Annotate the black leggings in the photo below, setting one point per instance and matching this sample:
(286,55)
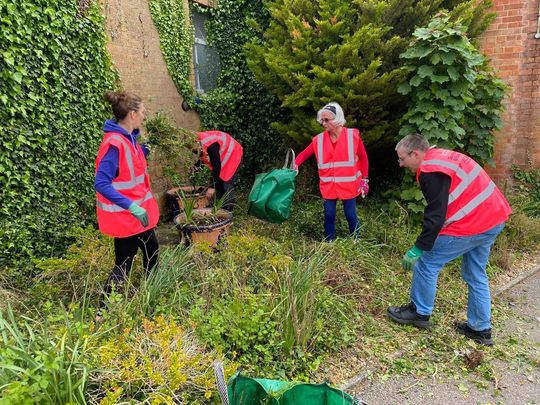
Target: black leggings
(124,252)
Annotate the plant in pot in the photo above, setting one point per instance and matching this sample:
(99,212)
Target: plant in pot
(202,224)
(175,148)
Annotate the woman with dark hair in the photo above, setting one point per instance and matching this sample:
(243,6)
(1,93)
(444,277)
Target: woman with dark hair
(223,155)
(126,208)
(343,167)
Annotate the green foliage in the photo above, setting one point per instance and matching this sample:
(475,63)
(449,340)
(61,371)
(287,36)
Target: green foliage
(267,286)
(158,361)
(176,40)
(54,71)
(242,326)
(475,15)
(315,52)
(41,365)
(528,190)
(86,264)
(275,315)
(298,289)
(173,146)
(456,99)
(239,105)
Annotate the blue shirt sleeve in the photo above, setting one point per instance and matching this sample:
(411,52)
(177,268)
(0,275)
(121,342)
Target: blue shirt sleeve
(106,173)
(145,148)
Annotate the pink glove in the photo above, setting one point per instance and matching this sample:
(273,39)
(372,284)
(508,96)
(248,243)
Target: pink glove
(364,187)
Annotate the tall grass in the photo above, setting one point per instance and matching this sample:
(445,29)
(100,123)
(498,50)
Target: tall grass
(299,285)
(39,366)
(162,286)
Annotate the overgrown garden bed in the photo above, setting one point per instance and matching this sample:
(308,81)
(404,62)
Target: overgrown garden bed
(275,300)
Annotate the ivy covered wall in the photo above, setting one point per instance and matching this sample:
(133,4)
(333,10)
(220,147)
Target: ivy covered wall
(239,104)
(54,71)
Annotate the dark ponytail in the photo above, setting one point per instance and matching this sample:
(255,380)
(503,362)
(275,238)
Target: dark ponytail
(122,103)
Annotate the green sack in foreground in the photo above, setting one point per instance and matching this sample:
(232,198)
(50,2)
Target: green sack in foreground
(271,195)
(243,390)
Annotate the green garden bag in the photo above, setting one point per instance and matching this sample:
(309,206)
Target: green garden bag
(243,390)
(271,195)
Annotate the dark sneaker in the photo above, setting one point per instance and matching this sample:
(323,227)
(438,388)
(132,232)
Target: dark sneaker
(479,336)
(407,315)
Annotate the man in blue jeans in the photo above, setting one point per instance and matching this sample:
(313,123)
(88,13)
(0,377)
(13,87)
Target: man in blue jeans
(464,214)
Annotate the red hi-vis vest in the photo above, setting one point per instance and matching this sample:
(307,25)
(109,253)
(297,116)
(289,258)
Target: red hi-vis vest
(230,152)
(338,164)
(133,183)
(475,204)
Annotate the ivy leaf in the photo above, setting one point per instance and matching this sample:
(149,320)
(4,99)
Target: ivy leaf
(17,77)
(404,88)
(439,79)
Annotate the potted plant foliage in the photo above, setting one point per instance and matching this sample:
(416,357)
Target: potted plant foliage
(174,147)
(202,224)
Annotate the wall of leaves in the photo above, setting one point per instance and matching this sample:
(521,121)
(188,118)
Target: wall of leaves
(54,71)
(239,104)
(176,42)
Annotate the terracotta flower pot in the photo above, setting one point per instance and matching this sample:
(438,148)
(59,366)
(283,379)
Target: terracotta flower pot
(204,225)
(198,193)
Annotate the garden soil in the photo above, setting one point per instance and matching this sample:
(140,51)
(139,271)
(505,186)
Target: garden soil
(516,384)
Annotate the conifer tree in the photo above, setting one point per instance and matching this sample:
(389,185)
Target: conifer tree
(316,51)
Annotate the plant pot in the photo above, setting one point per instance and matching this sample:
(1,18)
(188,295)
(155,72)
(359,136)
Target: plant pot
(204,225)
(198,193)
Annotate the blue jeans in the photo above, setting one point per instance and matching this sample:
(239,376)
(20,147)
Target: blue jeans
(349,207)
(475,251)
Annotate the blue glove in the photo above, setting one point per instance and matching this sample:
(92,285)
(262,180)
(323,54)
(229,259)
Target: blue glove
(139,213)
(410,258)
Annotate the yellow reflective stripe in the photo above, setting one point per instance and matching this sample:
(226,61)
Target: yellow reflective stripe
(116,208)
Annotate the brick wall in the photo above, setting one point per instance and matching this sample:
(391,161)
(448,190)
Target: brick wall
(514,52)
(136,54)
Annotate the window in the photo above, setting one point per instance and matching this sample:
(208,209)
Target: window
(205,57)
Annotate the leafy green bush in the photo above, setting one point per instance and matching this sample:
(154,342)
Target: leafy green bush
(157,361)
(456,99)
(55,70)
(272,313)
(241,326)
(173,146)
(80,272)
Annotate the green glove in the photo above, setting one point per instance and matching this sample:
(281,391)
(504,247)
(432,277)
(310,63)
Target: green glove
(410,258)
(139,213)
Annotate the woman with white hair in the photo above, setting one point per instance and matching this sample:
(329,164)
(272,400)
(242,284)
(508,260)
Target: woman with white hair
(343,167)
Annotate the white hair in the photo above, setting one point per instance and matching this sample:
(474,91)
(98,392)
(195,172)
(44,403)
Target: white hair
(336,110)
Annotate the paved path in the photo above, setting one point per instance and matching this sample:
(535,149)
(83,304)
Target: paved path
(516,385)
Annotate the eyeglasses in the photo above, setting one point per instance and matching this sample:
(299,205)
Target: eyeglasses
(402,159)
(325,120)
